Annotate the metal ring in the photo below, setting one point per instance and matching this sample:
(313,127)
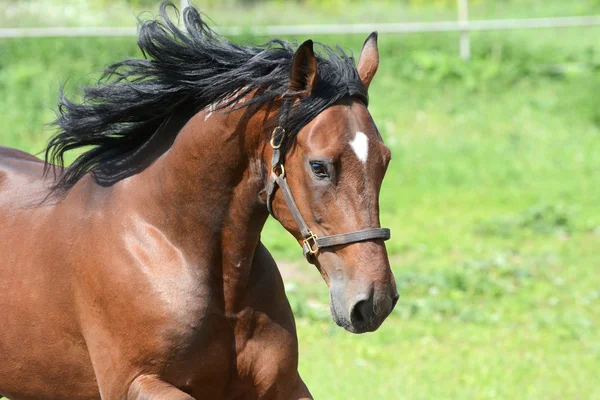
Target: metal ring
(281,173)
(275,132)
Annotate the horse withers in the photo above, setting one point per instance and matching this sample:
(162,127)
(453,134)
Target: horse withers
(137,272)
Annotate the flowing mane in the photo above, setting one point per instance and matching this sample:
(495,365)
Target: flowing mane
(132,108)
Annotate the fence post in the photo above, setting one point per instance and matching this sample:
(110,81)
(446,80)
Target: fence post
(463,18)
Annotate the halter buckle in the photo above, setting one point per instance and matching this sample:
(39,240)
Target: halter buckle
(312,248)
(276,131)
(279,170)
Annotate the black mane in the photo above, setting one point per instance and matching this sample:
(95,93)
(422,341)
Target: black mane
(138,101)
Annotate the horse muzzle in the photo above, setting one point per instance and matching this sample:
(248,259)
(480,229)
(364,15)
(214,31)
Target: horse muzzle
(363,311)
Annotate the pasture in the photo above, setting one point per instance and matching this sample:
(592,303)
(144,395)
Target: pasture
(492,196)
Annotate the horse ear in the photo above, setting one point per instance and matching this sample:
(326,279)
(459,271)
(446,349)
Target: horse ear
(368,62)
(304,69)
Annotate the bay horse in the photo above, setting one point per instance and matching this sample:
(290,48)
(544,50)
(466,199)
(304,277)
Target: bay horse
(137,272)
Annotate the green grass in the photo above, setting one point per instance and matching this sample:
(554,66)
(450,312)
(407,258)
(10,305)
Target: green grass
(38,13)
(492,196)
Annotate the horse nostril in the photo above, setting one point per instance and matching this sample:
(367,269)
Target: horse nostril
(362,312)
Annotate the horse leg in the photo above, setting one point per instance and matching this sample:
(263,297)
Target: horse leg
(298,391)
(151,387)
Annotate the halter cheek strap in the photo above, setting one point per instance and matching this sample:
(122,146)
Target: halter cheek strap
(312,243)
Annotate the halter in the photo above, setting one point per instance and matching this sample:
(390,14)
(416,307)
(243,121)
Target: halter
(312,243)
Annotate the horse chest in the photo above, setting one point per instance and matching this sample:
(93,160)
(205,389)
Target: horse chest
(255,357)
(241,354)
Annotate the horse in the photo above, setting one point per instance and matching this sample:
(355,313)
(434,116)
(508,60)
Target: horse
(138,272)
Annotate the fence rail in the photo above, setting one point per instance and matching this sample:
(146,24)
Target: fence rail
(416,27)
(462,25)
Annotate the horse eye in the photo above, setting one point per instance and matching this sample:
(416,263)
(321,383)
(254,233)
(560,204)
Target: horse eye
(319,169)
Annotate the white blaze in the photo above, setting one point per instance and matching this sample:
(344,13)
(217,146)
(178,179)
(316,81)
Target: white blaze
(360,145)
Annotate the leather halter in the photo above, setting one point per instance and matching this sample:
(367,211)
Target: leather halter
(312,243)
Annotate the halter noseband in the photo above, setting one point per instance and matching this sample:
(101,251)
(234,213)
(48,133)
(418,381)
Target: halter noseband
(312,243)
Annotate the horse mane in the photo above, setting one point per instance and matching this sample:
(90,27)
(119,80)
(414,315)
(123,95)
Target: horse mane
(131,111)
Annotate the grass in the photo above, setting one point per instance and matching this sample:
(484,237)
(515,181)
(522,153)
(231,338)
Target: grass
(40,13)
(492,197)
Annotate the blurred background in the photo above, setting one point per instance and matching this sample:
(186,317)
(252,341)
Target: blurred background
(492,196)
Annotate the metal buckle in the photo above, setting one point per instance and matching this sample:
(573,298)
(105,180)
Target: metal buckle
(278,129)
(312,250)
(281,172)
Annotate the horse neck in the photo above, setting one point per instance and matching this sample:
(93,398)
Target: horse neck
(205,191)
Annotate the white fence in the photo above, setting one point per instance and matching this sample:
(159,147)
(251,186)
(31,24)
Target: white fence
(462,24)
